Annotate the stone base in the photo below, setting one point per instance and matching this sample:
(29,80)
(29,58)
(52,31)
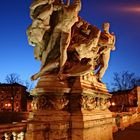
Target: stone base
(38,130)
(74,109)
(81,126)
(92,126)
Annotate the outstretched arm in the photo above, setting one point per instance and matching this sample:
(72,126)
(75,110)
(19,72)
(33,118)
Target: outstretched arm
(114,40)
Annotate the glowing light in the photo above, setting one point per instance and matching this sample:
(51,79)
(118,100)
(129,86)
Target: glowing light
(113,104)
(132,9)
(126,9)
(7,105)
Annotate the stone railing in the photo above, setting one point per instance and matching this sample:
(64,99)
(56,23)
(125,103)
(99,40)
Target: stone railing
(13,117)
(15,131)
(124,119)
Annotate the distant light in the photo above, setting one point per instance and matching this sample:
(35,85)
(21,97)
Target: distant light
(7,105)
(113,104)
(127,9)
(132,9)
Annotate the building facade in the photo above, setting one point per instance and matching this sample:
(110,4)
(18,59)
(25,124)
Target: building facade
(13,97)
(127,100)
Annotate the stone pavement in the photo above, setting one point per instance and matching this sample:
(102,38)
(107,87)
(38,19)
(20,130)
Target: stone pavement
(130,133)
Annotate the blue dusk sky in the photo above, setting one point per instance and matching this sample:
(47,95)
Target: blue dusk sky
(16,56)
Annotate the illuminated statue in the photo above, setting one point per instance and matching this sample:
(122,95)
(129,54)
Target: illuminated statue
(106,44)
(66,44)
(81,52)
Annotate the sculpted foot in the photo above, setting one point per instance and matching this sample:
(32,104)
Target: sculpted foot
(34,77)
(60,76)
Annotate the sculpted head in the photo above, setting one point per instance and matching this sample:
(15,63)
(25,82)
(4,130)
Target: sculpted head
(106,26)
(35,35)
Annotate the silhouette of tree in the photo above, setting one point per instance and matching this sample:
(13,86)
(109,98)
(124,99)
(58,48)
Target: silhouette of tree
(124,81)
(13,78)
(28,85)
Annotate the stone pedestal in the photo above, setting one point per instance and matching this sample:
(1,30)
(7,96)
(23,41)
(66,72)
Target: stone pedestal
(73,109)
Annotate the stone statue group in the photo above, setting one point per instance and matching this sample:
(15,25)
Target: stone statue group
(65,43)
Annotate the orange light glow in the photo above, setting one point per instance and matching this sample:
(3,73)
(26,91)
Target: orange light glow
(7,105)
(132,9)
(113,104)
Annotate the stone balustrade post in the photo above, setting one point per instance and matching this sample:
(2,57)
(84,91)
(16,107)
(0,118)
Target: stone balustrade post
(7,136)
(14,135)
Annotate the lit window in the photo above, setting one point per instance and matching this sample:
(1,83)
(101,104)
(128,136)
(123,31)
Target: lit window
(8,104)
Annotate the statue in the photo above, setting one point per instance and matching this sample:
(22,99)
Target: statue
(66,44)
(67,18)
(106,44)
(70,50)
(81,52)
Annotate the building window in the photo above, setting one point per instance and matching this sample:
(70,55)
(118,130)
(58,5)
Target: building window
(17,96)
(16,104)
(1,104)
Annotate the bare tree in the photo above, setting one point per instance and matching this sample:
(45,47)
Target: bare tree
(125,80)
(13,78)
(28,85)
